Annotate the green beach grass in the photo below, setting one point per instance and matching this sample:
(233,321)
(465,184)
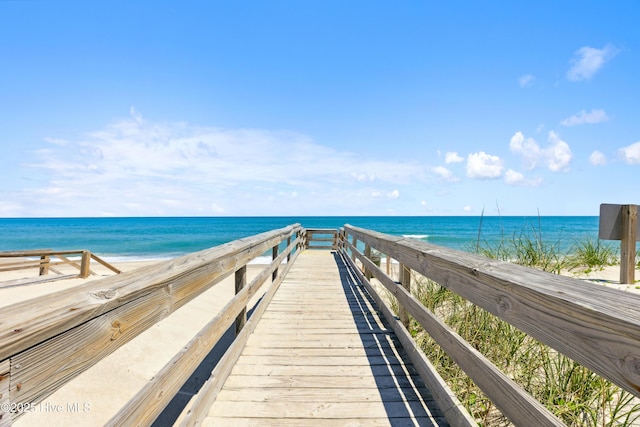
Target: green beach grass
(576,395)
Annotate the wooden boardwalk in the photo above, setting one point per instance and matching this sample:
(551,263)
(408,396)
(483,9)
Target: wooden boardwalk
(321,356)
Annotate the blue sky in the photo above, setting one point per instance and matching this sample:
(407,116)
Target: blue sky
(114,108)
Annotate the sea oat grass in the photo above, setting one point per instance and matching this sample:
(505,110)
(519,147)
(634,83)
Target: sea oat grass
(591,254)
(576,395)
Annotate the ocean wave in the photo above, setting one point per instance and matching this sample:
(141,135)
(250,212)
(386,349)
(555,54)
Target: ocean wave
(416,236)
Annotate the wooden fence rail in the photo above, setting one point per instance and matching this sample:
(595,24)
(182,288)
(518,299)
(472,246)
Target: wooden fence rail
(596,326)
(73,329)
(327,238)
(43,261)
(47,341)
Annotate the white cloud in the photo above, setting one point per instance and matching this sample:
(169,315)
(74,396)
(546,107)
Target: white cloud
(597,158)
(588,60)
(631,153)
(137,167)
(453,157)
(363,177)
(526,80)
(56,141)
(445,174)
(135,115)
(557,156)
(484,166)
(595,116)
(528,148)
(512,177)
(394,194)
(467,208)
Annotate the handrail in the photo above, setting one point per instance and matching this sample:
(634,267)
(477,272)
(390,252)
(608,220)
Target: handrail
(47,341)
(44,262)
(596,326)
(149,402)
(75,328)
(311,235)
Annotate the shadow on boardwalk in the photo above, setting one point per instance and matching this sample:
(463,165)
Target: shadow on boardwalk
(406,399)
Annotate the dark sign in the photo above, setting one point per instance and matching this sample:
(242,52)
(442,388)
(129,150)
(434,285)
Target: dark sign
(611,223)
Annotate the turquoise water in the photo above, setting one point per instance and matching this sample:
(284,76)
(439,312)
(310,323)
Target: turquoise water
(157,237)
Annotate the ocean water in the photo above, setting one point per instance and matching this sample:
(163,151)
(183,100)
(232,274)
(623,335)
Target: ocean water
(120,239)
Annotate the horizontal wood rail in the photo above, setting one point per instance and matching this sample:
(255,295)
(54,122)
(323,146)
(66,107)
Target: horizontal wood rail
(326,237)
(596,326)
(47,341)
(43,261)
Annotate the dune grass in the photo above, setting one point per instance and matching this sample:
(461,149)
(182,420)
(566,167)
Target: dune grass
(575,394)
(591,254)
(578,396)
(526,248)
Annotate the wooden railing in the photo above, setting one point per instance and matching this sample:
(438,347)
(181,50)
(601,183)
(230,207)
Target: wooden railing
(43,260)
(321,238)
(47,341)
(596,326)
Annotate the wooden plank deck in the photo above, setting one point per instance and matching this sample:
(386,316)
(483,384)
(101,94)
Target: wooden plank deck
(321,356)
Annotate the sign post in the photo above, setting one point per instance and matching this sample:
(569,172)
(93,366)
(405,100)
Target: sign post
(620,222)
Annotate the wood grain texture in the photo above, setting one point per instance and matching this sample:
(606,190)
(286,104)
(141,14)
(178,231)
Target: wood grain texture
(598,327)
(149,402)
(53,339)
(195,413)
(320,353)
(42,369)
(514,402)
(31,322)
(628,231)
(452,409)
(5,379)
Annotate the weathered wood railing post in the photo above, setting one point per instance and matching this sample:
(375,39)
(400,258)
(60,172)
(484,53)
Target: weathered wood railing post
(241,281)
(628,243)
(84,265)
(289,254)
(367,254)
(274,255)
(404,277)
(354,242)
(388,265)
(620,222)
(44,265)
